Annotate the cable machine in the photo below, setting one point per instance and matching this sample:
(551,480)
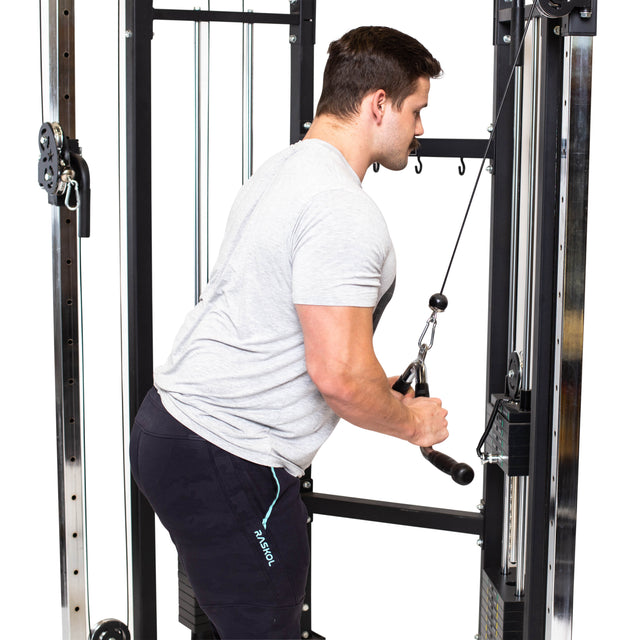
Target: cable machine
(537,155)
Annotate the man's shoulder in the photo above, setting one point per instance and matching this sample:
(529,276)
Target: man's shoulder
(316,161)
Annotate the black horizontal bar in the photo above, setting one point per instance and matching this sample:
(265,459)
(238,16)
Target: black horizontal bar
(392,513)
(454,148)
(196,15)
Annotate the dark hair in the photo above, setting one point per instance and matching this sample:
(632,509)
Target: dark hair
(370,58)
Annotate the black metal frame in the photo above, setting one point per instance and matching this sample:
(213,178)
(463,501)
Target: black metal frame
(532,607)
(140,17)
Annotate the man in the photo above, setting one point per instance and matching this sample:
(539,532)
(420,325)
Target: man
(280,346)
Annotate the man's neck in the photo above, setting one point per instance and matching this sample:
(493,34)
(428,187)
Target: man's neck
(347,137)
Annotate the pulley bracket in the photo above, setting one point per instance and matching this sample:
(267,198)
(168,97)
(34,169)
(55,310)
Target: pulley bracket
(64,174)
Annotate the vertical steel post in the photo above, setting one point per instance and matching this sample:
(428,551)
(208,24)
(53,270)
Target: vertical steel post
(563,490)
(302,37)
(67,339)
(544,305)
(496,484)
(540,603)
(139,32)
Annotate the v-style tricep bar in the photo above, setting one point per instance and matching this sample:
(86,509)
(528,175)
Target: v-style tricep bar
(538,150)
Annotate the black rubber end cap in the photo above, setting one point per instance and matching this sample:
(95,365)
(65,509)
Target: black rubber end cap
(462,473)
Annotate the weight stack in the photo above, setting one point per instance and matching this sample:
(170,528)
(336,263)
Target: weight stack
(190,614)
(501,612)
(509,437)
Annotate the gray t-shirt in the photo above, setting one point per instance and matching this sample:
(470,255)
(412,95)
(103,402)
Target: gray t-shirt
(301,231)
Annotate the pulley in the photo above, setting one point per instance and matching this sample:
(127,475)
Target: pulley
(514,375)
(110,629)
(51,164)
(560,8)
(64,174)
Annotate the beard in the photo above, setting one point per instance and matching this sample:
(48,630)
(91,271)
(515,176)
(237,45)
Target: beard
(397,159)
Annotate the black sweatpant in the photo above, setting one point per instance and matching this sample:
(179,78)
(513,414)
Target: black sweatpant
(239,527)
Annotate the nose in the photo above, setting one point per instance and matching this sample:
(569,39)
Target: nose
(419,127)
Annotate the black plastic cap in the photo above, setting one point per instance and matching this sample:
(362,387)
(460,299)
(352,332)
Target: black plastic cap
(438,302)
(462,473)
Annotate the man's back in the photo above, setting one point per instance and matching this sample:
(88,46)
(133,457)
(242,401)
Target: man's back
(302,231)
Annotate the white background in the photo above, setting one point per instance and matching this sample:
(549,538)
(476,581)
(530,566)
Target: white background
(370,580)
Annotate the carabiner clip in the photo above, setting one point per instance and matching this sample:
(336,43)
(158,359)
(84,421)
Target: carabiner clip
(72,184)
(431,322)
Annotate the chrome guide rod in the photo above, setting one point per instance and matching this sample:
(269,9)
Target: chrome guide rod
(513,519)
(247,100)
(508,547)
(521,542)
(515,206)
(124,346)
(573,196)
(531,205)
(201,155)
(197,135)
(523,483)
(506,528)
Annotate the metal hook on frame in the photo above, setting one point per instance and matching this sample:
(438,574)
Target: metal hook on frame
(462,168)
(419,167)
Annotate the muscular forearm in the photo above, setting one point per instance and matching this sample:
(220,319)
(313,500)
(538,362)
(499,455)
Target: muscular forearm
(364,398)
(342,364)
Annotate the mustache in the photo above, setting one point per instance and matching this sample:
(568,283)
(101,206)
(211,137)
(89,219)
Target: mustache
(414,146)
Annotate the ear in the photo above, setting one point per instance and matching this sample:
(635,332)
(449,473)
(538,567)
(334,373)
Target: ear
(378,104)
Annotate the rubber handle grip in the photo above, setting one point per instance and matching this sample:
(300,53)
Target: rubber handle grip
(460,472)
(401,386)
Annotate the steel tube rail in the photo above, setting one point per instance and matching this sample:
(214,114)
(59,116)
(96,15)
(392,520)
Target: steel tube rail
(67,336)
(226,16)
(565,441)
(392,513)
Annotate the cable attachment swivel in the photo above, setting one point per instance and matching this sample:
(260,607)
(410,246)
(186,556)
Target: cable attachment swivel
(437,303)
(417,372)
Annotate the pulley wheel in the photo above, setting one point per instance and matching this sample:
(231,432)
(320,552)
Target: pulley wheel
(559,8)
(110,629)
(50,140)
(514,375)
